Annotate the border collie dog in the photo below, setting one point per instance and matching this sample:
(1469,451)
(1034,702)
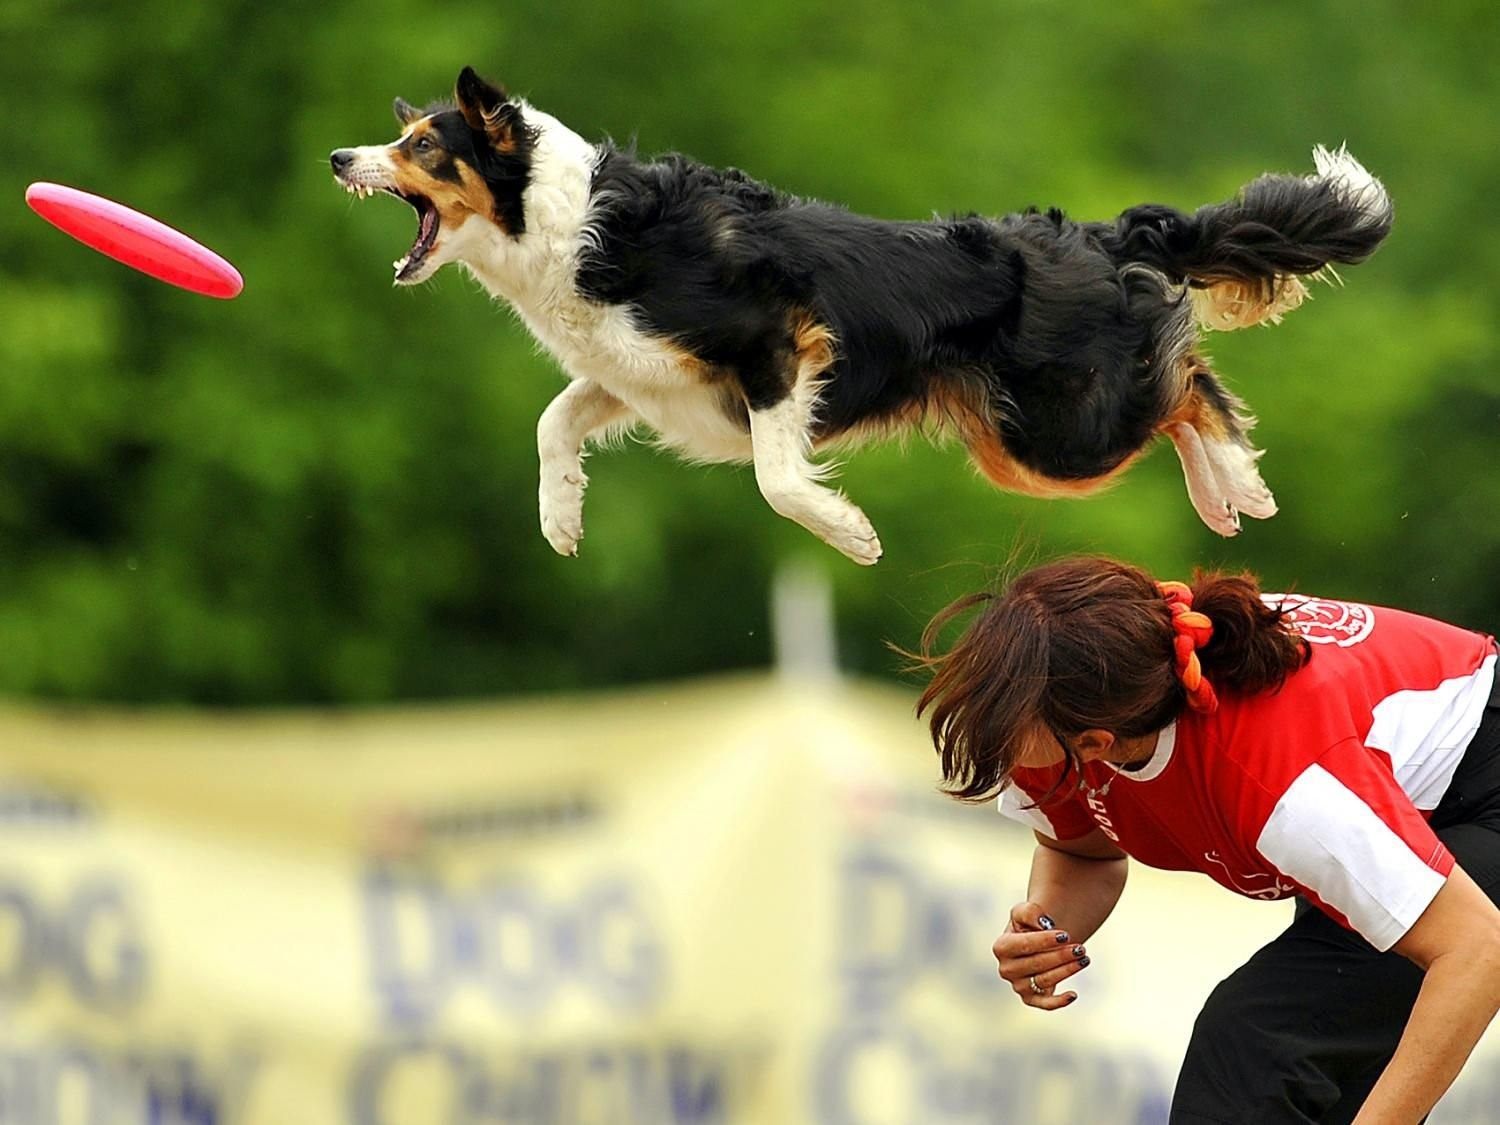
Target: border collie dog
(738,322)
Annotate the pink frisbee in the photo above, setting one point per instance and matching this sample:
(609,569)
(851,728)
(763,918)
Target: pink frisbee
(137,240)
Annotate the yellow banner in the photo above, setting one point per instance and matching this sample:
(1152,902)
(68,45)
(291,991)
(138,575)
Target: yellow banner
(724,903)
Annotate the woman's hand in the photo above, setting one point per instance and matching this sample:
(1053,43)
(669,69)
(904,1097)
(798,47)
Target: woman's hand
(1035,957)
(1081,880)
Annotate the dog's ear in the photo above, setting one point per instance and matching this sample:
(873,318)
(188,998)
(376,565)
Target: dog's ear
(406,113)
(488,110)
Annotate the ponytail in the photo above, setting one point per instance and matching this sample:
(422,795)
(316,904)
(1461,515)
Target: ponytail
(1251,649)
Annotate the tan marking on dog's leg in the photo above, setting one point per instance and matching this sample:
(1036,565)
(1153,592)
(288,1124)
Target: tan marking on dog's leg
(583,409)
(814,344)
(780,437)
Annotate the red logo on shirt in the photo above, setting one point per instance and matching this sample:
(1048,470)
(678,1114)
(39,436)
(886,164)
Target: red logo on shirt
(1321,622)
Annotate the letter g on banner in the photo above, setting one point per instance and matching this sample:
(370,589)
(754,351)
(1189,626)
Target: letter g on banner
(92,939)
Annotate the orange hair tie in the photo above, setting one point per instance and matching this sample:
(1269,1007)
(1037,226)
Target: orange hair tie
(1191,632)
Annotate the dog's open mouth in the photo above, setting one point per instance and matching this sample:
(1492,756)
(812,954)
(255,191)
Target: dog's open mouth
(409,266)
(427,232)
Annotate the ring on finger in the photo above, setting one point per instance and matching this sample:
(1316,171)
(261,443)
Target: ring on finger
(1035,988)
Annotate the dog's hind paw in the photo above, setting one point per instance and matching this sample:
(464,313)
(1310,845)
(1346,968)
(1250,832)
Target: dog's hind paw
(1239,481)
(1222,480)
(1222,518)
(1255,502)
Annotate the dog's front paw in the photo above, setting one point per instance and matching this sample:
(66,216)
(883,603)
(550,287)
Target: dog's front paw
(856,538)
(866,552)
(560,503)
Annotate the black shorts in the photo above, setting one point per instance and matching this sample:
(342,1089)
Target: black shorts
(1302,1030)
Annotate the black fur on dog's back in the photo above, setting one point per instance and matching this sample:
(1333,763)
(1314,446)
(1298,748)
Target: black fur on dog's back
(1069,342)
(1027,318)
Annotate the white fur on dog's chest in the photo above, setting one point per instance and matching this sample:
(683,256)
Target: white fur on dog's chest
(535,275)
(599,343)
(651,377)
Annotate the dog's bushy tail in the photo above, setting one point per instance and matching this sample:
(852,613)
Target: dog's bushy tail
(1245,259)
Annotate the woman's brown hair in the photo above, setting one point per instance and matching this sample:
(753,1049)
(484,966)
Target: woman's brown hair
(1084,644)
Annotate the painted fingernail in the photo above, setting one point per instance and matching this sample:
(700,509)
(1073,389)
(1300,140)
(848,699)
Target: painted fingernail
(1047,923)
(1078,952)
(1071,997)
(1083,962)
(1062,937)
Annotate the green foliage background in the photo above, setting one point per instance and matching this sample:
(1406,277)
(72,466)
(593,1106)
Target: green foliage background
(324,490)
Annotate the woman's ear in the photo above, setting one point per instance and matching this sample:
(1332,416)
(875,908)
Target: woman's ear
(1093,745)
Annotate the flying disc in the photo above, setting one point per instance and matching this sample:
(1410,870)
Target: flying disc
(137,240)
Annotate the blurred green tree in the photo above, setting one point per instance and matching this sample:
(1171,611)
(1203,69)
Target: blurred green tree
(324,490)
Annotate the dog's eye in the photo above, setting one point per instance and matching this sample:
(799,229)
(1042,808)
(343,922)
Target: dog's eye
(424,144)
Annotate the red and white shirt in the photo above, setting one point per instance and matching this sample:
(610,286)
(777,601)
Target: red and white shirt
(1321,789)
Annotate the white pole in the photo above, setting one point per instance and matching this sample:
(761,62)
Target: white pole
(806,645)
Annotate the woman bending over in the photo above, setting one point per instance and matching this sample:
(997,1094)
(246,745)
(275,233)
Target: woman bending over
(1282,745)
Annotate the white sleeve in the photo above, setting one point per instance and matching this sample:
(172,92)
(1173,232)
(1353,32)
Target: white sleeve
(1326,837)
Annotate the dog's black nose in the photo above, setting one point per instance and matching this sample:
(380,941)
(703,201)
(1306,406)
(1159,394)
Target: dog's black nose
(341,158)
